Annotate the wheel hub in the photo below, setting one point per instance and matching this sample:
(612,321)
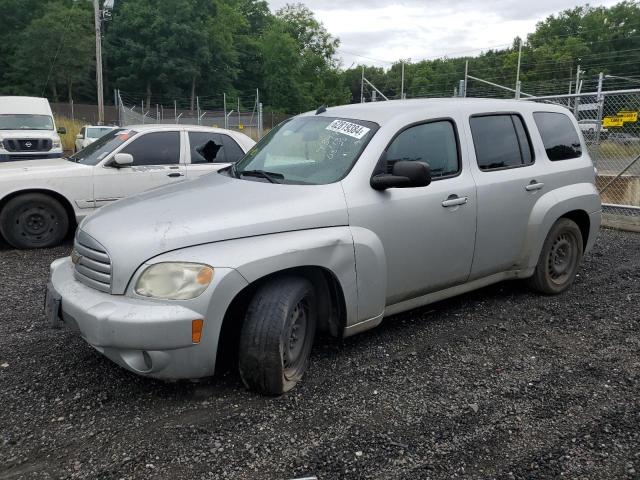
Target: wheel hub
(35,222)
(561,258)
(296,341)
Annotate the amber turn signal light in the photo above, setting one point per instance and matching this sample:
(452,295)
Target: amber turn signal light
(196,330)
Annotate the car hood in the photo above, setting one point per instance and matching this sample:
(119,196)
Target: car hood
(28,134)
(210,209)
(39,168)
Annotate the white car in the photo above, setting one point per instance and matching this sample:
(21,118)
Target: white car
(89,134)
(28,130)
(41,200)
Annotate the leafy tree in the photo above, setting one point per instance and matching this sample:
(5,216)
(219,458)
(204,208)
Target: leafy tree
(65,30)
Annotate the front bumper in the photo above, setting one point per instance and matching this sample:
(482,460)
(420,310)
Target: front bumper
(148,337)
(18,156)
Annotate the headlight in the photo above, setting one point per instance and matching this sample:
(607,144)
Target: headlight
(56,142)
(174,281)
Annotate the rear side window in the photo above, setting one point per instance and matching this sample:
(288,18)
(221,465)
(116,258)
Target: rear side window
(156,148)
(559,136)
(434,143)
(232,150)
(501,141)
(204,152)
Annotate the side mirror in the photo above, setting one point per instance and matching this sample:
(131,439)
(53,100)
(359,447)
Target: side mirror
(123,159)
(406,174)
(62,130)
(79,136)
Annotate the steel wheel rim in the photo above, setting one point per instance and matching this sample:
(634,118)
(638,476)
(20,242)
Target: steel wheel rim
(36,223)
(562,258)
(296,342)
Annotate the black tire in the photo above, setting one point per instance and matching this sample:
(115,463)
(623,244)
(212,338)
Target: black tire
(277,335)
(33,220)
(559,259)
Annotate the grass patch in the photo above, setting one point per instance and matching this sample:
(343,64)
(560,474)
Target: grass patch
(73,129)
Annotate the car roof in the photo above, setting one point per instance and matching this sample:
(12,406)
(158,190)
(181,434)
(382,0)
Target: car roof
(384,111)
(24,105)
(100,126)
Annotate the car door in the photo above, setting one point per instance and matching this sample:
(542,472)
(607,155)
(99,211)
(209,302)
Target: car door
(427,233)
(157,161)
(210,152)
(509,181)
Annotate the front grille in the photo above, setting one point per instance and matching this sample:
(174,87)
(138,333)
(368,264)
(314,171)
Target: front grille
(28,145)
(92,263)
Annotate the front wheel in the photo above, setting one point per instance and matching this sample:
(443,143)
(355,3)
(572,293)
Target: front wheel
(277,335)
(559,259)
(33,220)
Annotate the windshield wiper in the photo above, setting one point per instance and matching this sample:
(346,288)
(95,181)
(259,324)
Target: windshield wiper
(270,176)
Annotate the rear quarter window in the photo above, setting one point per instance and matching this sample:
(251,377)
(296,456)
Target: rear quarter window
(559,136)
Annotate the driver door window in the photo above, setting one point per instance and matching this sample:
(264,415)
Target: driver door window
(157,148)
(434,143)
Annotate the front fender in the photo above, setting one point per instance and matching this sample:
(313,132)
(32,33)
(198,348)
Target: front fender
(553,205)
(256,257)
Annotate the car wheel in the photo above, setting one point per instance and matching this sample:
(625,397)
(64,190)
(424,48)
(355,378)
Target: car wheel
(559,259)
(277,335)
(33,220)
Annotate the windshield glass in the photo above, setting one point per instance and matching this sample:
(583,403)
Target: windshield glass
(25,122)
(97,132)
(98,150)
(307,150)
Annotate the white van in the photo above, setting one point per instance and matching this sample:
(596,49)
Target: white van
(28,130)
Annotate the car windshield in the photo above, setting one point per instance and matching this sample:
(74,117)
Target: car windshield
(98,150)
(25,122)
(97,132)
(307,150)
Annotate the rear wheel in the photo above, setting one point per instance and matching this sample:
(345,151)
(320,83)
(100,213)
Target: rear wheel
(277,335)
(559,259)
(33,220)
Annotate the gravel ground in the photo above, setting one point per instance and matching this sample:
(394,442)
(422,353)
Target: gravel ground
(499,383)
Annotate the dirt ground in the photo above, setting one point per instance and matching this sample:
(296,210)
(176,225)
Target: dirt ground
(498,383)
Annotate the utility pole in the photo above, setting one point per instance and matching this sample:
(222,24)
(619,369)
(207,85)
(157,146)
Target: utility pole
(466,78)
(518,72)
(100,89)
(402,97)
(362,86)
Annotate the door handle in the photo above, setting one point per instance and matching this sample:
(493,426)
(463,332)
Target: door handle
(173,175)
(534,185)
(454,200)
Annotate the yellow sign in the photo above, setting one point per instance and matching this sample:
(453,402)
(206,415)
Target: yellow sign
(612,121)
(628,116)
(241,127)
(215,125)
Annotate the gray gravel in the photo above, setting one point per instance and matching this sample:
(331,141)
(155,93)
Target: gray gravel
(499,383)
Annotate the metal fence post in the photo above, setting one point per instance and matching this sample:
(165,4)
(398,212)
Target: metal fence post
(260,120)
(600,101)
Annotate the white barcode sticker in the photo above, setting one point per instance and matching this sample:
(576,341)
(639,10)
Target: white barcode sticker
(347,128)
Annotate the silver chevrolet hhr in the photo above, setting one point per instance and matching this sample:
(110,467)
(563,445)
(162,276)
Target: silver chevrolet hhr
(335,220)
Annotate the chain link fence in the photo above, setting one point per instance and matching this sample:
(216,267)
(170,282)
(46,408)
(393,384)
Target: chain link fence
(243,115)
(610,126)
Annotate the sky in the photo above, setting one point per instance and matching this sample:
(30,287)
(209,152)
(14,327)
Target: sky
(379,32)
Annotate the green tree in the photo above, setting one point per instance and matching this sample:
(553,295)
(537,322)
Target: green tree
(65,32)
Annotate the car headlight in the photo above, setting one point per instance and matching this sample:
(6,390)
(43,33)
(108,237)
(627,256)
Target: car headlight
(174,280)
(56,142)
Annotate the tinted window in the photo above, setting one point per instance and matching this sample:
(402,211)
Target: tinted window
(157,148)
(204,152)
(558,135)
(232,150)
(434,143)
(500,141)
